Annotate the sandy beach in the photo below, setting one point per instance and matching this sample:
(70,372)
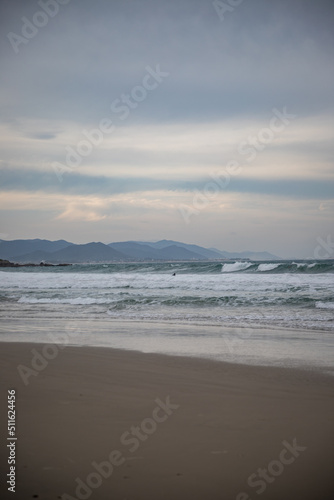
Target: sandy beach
(109,424)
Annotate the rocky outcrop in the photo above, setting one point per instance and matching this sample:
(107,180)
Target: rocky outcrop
(7,263)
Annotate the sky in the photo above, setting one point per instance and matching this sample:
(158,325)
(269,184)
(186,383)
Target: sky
(199,121)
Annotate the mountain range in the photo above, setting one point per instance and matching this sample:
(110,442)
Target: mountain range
(37,250)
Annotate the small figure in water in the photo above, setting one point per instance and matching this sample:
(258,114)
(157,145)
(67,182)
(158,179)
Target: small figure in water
(174,274)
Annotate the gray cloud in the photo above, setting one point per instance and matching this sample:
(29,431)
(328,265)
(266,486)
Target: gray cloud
(76,184)
(263,55)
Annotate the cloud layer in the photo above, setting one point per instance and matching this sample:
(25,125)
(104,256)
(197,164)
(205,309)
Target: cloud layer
(115,115)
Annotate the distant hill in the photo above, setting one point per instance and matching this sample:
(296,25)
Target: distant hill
(211,253)
(61,251)
(14,248)
(175,252)
(247,255)
(134,250)
(89,252)
(148,251)
(196,249)
(261,256)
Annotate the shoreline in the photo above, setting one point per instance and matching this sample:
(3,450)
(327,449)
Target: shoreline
(225,422)
(255,346)
(280,371)
(57,349)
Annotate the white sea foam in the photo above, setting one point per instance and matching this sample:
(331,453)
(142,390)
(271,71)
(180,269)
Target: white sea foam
(237,266)
(77,301)
(236,293)
(267,267)
(324,305)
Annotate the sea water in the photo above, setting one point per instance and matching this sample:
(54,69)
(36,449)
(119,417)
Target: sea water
(217,309)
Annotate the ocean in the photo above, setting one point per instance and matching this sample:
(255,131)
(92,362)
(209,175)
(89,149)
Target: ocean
(210,309)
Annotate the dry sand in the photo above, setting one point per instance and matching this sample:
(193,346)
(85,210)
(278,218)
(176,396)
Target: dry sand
(224,424)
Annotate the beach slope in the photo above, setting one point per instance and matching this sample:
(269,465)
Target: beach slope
(109,424)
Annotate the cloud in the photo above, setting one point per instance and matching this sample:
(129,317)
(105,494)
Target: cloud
(87,57)
(78,184)
(43,136)
(225,77)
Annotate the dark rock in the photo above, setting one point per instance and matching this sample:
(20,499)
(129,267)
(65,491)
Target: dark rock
(7,263)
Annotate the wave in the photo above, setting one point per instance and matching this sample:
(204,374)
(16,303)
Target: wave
(281,267)
(267,267)
(79,301)
(324,305)
(135,301)
(236,267)
(190,267)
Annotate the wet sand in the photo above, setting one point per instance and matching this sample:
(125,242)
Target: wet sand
(109,424)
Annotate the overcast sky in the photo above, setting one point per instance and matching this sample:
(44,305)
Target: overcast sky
(199,121)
